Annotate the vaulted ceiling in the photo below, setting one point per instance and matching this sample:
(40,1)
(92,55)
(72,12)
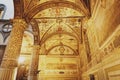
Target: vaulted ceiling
(56,24)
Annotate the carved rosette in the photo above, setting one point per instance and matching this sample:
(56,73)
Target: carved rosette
(13,48)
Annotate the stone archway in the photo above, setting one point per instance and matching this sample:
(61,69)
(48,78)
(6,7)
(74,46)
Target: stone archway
(29,14)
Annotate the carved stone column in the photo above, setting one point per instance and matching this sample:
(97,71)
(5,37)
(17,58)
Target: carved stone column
(34,63)
(9,63)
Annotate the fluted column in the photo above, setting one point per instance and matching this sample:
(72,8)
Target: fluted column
(34,63)
(8,68)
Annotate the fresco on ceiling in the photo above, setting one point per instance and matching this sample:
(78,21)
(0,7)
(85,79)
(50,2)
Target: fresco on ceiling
(62,50)
(42,1)
(57,12)
(55,45)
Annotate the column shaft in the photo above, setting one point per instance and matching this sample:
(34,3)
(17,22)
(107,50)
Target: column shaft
(12,52)
(34,63)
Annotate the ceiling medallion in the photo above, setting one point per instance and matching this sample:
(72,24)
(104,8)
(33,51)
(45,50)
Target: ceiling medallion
(61,49)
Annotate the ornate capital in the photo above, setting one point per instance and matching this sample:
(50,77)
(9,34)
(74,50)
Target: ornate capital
(19,22)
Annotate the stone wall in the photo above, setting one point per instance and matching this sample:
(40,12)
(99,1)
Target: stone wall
(106,64)
(103,30)
(106,19)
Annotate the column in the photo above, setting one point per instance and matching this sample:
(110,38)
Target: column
(8,68)
(34,63)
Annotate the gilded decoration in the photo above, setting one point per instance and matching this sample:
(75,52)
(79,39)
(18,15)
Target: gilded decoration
(60,40)
(12,51)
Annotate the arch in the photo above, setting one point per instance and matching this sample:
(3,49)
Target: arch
(44,38)
(60,45)
(36,32)
(39,7)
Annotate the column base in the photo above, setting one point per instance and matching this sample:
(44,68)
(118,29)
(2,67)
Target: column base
(32,78)
(8,74)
